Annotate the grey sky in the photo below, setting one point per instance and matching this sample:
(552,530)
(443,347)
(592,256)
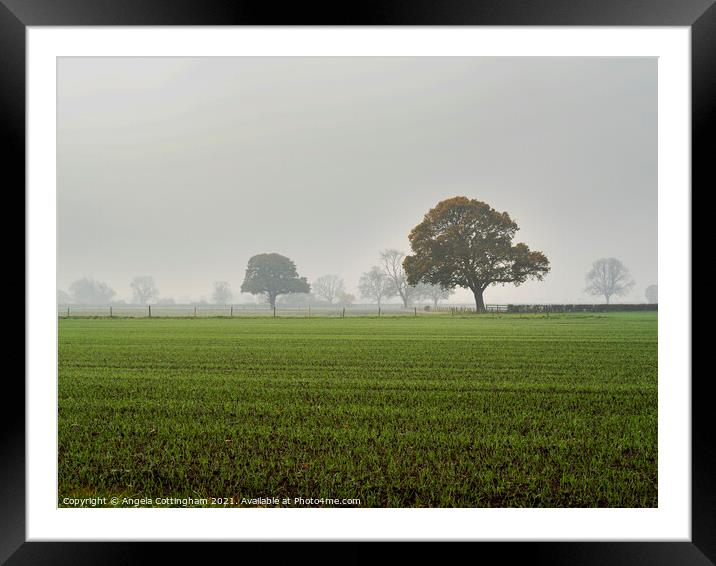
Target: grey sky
(183,168)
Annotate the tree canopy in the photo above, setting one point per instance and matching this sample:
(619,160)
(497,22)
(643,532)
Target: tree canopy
(463,242)
(273,275)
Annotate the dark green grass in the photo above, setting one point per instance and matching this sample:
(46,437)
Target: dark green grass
(476,411)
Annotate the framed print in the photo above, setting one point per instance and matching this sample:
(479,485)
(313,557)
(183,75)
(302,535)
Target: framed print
(310,277)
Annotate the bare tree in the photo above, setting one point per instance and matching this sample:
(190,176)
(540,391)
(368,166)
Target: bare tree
(222,294)
(652,294)
(328,287)
(433,292)
(392,261)
(375,284)
(608,277)
(87,291)
(144,289)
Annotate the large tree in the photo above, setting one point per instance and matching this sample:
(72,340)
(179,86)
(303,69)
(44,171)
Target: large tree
(375,284)
(273,275)
(466,243)
(144,289)
(608,277)
(328,287)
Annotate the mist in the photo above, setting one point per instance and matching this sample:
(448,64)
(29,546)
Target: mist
(184,168)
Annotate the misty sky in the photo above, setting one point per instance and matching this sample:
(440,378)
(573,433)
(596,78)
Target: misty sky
(183,168)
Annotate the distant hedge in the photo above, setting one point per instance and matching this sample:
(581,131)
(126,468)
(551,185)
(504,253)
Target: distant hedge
(581,308)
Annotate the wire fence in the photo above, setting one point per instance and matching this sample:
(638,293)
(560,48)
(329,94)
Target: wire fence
(235,311)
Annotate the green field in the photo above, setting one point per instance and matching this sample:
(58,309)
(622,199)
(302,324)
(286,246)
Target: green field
(433,411)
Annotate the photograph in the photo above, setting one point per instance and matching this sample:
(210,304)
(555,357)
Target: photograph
(357,282)
(392,276)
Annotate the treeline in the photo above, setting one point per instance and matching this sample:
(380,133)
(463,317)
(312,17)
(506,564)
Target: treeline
(274,279)
(461,242)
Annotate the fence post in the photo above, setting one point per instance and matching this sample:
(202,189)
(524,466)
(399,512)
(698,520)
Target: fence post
(194,312)
(149,307)
(68,312)
(274,312)
(344,312)
(309,311)
(231,313)
(416,311)
(110,311)
(378,311)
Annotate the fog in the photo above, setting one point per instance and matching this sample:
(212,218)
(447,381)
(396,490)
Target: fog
(183,168)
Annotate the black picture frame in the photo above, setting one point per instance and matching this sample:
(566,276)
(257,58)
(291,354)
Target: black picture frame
(17,15)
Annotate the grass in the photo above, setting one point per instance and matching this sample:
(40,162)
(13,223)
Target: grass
(439,411)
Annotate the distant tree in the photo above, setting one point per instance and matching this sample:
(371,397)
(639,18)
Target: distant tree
(273,275)
(222,294)
(392,263)
(87,291)
(296,300)
(608,277)
(376,285)
(63,298)
(652,294)
(463,242)
(144,289)
(166,301)
(345,299)
(434,293)
(328,287)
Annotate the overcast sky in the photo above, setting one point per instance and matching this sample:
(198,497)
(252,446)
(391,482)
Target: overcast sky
(183,168)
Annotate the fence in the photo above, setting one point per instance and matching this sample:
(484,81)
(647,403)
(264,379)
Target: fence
(582,308)
(464,309)
(551,308)
(231,311)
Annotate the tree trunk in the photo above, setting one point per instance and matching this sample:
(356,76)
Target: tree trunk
(272,300)
(607,298)
(479,303)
